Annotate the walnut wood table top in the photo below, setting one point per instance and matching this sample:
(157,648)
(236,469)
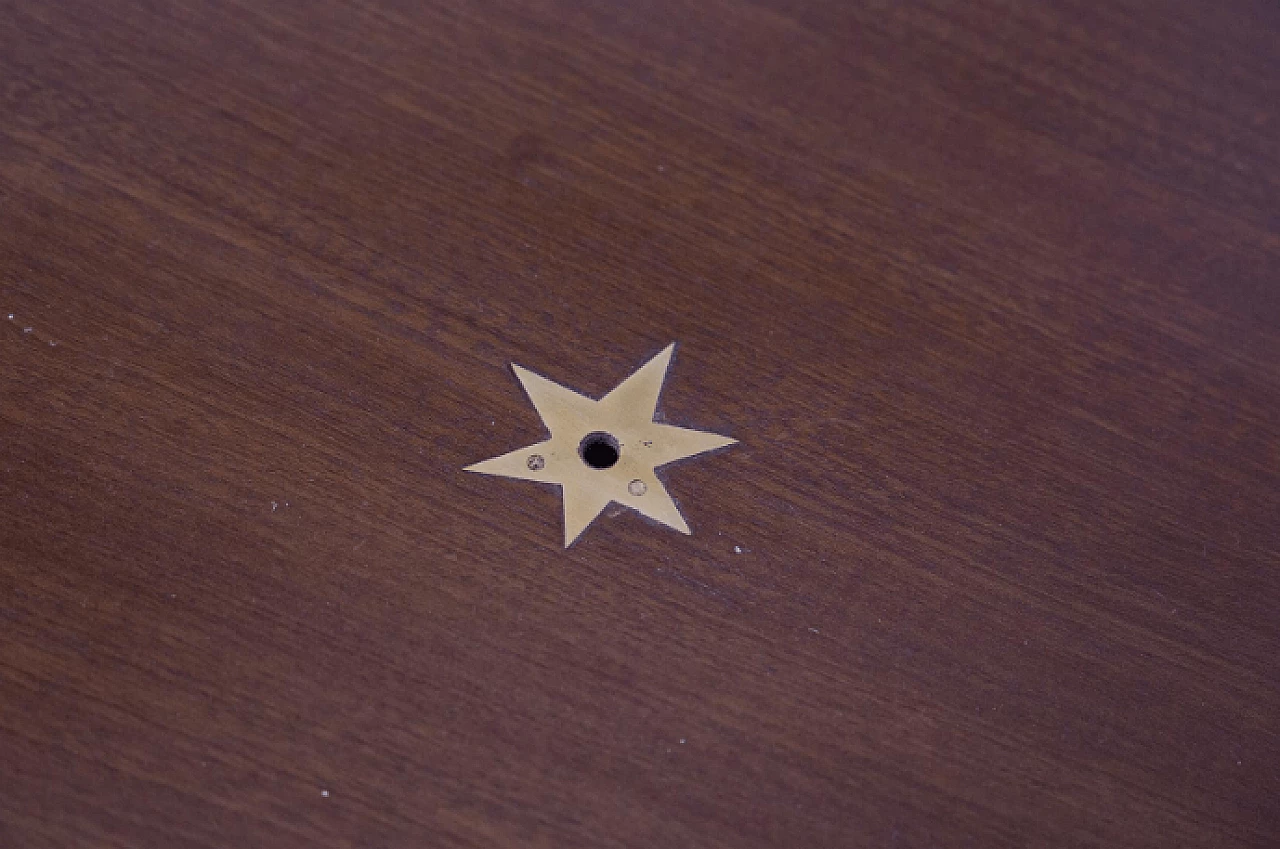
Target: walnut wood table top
(988,292)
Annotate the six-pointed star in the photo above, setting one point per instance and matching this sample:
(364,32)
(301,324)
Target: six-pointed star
(606,450)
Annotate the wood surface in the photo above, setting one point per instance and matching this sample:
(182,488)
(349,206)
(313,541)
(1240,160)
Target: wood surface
(989,292)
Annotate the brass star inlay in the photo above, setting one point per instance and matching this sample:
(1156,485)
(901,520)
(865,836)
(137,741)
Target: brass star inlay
(604,451)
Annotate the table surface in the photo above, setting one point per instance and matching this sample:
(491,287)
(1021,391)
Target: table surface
(989,292)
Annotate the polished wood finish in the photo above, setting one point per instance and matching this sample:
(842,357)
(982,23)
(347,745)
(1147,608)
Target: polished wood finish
(989,292)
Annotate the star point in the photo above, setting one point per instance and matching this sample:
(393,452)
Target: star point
(605,451)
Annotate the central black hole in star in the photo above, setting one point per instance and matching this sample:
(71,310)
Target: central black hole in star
(599,450)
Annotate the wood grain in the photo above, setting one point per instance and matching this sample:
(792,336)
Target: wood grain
(989,292)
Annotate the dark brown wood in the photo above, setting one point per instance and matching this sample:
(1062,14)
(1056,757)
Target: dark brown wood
(989,292)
